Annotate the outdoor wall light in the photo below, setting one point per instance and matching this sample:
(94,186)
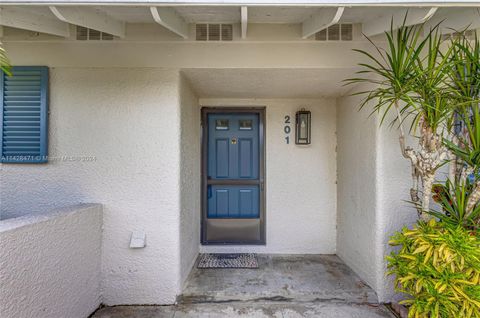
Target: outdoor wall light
(303,127)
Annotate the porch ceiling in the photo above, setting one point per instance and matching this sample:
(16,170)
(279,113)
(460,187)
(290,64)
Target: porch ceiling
(268,83)
(231,14)
(256,14)
(313,17)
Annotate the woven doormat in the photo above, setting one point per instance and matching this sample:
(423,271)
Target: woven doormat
(243,260)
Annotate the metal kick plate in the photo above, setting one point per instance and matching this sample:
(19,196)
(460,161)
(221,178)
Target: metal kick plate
(233,230)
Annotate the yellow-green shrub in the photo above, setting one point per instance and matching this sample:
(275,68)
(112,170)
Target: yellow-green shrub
(438,266)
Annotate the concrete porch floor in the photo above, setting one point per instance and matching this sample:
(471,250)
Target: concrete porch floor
(282,286)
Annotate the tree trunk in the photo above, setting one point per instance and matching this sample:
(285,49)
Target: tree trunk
(424,163)
(466,171)
(473,199)
(427,179)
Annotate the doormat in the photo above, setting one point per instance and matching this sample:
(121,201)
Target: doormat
(241,260)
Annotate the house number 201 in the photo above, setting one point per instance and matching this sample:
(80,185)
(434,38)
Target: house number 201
(287,129)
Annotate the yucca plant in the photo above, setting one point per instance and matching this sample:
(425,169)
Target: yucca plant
(466,147)
(453,197)
(438,266)
(465,89)
(410,80)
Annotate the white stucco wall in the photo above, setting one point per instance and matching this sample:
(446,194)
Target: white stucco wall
(129,121)
(374,183)
(189,178)
(300,180)
(394,182)
(50,263)
(357,188)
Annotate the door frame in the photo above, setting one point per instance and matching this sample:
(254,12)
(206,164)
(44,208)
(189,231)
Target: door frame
(260,110)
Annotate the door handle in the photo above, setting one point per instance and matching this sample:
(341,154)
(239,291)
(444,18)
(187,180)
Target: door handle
(209,191)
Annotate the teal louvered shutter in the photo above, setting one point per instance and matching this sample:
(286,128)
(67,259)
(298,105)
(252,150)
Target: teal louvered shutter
(24,115)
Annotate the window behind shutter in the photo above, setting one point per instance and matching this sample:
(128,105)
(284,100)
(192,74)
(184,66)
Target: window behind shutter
(24,115)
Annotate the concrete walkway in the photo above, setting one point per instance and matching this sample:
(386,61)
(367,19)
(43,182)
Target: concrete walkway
(283,286)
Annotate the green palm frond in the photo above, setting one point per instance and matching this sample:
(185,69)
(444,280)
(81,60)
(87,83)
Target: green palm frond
(431,99)
(411,71)
(453,198)
(464,81)
(465,71)
(393,71)
(5,65)
(468,150)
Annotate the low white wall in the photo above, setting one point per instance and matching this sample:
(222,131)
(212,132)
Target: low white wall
(50,263)
(357,188)
(300,180)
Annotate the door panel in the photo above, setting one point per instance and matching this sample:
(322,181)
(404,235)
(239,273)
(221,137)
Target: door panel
(222,154)
(233,177)
(245,158)
(228,201)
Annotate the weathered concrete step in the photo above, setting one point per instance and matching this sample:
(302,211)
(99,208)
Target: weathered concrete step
(248,309)
(301,278)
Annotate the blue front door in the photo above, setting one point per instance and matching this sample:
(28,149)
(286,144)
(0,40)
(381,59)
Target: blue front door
(233,177)
(233,157)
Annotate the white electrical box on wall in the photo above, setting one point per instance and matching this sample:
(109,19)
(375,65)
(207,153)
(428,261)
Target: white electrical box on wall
(138,239)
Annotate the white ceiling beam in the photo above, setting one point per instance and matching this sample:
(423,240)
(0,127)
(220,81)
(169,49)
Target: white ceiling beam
(27,20)
(90,18)
(321,20)
(383,23)
(170,19)
(244,21)
(456,20)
